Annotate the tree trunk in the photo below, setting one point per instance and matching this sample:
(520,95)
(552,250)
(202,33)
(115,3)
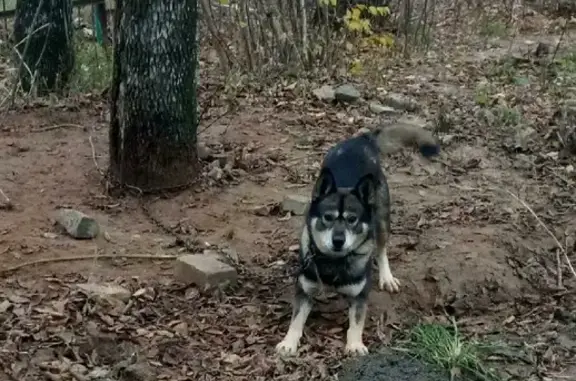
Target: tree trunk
(154,115)
(43,33)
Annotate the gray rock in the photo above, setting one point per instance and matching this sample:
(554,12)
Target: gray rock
(377,108)
(77,224)
(400,101)
(346,93)
(204,270)
(324,93)
(388,366)
(295,204)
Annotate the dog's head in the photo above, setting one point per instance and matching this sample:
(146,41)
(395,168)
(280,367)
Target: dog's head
(340,219)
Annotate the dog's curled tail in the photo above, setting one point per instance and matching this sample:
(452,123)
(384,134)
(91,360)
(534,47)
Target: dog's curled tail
(391,138)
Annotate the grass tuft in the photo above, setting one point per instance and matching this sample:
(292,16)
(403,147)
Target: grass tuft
(446,348)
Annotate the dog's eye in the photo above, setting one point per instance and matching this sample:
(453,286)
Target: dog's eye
(328,218)
(352,220)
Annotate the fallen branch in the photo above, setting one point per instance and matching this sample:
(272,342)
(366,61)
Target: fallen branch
(58,126)
(561,248)
(86,257)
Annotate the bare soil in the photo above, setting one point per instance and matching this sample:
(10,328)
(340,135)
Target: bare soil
(461,244)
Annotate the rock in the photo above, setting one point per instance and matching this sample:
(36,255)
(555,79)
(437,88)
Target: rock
(399,101)
(377,108)
(295,204)
(204,153)
(346,93)
(106,290)
(216,173)
(77,224)
(388,366)
(204,270)
(324,93)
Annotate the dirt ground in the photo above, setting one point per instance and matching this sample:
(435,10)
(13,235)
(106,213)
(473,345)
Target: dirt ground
(461,245)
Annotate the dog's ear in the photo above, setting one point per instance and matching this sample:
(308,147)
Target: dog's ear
(366,190)
(324,185)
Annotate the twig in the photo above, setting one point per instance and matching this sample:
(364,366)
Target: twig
(560,247)
(229,111)
(94,156)
(57,126)
(7,204)
(86,257)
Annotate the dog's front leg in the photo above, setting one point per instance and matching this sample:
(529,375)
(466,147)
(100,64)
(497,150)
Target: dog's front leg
(302,306)
(356,318)
(385,278)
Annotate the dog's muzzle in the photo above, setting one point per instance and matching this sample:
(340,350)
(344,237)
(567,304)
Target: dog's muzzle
(338,241)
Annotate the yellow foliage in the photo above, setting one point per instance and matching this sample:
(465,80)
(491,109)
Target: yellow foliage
(356,67)
(224,2)
(386,40)
(356,23)
(378,11)
(332,3)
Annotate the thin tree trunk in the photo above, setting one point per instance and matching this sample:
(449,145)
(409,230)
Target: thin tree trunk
(44,40)
(154,114)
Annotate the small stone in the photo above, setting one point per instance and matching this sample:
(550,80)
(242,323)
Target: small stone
(399,101)
(77,224)
(324,93)
(377,108)
(204,270)
(295,204)
(346,93)
(105,290)
(204,153)
(216,173)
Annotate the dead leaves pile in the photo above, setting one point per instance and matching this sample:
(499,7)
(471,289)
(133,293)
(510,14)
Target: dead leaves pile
(60,332)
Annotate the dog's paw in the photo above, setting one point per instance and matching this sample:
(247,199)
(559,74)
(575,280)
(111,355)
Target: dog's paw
(389,283)
(356,348)
(287,348)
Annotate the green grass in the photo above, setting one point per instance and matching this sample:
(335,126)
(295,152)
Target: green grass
(446,348)
(93,67)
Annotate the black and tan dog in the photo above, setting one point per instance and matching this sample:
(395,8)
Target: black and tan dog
(347,224)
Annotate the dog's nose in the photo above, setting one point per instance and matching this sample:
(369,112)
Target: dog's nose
(338,242)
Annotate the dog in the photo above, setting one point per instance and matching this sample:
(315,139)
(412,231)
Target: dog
(347,224)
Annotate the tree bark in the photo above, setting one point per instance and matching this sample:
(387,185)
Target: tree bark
(154,114)
(43,33)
